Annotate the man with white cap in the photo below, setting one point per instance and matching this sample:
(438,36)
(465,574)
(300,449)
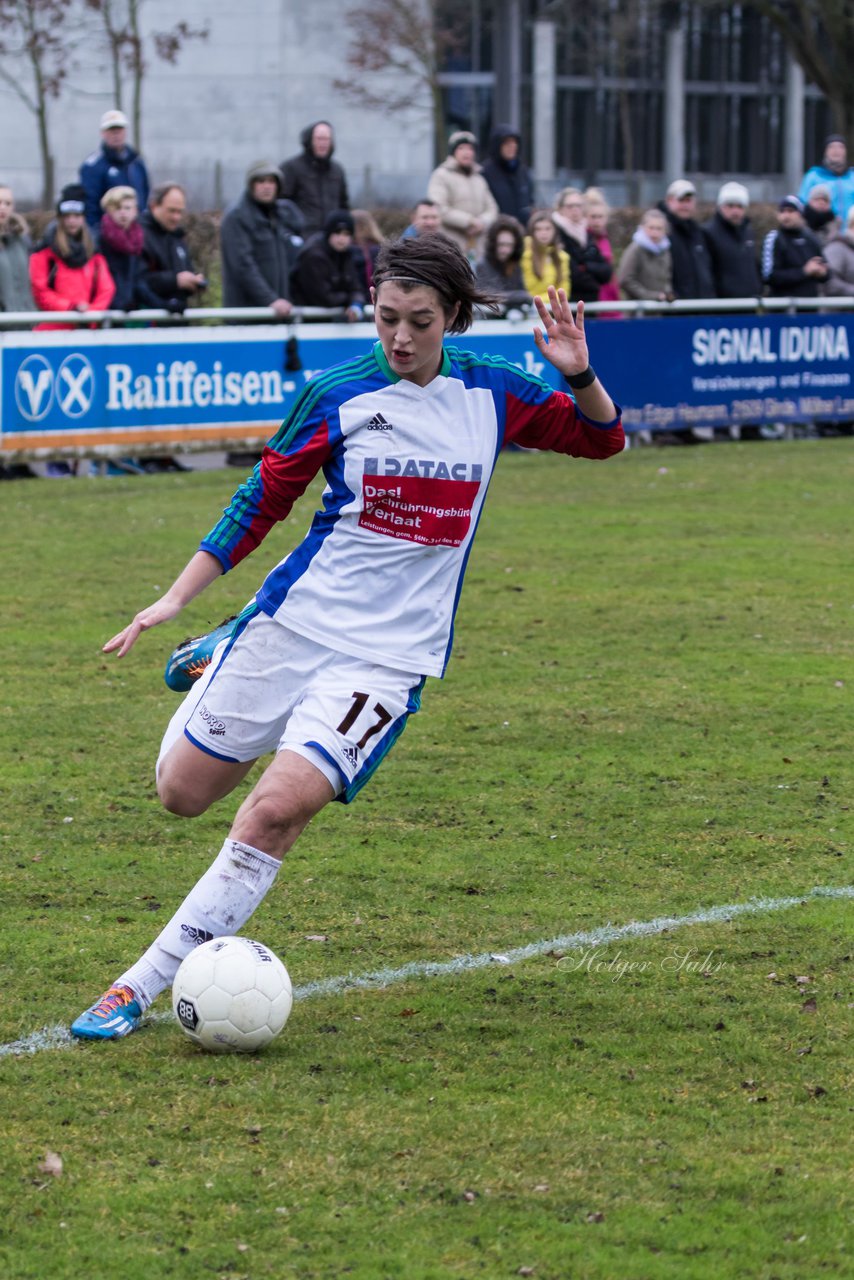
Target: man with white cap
(114,164)
(692,265)
(732,247)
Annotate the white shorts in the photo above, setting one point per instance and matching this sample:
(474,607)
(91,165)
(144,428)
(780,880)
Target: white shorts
(268,688)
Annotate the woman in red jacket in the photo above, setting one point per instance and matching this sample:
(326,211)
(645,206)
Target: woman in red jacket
(66,273)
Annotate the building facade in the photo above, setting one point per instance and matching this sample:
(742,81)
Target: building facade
(624,95)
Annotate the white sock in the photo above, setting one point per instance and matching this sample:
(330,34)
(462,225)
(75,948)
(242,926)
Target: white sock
(218,905)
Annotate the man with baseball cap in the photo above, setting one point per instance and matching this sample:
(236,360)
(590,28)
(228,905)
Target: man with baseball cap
(732,246)
(114,164)
(692,265)
(833,172)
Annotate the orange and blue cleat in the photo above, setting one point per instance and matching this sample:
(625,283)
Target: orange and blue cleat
(193,657)
(116,1014)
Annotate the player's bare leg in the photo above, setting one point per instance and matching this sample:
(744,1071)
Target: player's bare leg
(281,804)
(284,800)
(189,780)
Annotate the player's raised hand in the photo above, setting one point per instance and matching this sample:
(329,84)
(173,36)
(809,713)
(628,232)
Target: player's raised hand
(561,340)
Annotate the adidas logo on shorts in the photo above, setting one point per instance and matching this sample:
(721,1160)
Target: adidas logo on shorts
(379,423)
(351,754)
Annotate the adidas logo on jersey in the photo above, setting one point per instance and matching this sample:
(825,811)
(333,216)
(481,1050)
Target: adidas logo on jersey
(378,423)
(351,754)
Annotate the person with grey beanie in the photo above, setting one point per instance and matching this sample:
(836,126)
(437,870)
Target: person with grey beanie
(260,238)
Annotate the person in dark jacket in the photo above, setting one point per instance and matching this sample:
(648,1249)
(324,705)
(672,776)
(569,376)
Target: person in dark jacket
(168,267)
(120,240)
(260,238)
(313,180)
(692,263)
(793,265)
(509,180)
(588,268)
(115,164)
(732,247)
(325,275)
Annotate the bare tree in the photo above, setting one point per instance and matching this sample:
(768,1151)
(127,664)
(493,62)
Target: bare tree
(128,49)
(34,42)
(409,41)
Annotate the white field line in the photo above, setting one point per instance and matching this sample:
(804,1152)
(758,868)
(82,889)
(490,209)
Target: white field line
(58,1037)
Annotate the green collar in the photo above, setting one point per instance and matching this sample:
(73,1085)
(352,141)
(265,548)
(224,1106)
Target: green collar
(379,355)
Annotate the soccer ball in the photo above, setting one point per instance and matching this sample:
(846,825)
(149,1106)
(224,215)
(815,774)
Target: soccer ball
(232,995)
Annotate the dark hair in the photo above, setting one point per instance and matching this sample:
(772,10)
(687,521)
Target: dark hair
(504,223)
(438,263)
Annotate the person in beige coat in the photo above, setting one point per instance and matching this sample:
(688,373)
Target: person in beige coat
(466,204)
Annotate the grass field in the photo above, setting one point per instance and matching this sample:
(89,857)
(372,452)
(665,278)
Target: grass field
(648,715)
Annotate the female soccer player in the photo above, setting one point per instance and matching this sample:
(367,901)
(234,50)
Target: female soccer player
(327,662)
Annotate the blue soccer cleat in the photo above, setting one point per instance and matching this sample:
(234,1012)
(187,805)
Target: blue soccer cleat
(193,657)
(116,1014)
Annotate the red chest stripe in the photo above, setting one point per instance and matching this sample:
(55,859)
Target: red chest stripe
(436,513)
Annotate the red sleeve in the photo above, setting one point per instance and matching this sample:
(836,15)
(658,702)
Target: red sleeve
(267,496)
(557,424)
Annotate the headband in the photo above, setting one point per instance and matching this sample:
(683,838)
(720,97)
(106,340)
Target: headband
(405,280)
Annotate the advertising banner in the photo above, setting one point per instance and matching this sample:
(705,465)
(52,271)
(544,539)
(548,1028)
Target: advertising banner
(102,392)
(723,370)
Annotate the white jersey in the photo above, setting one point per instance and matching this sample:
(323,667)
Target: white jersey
(379,573)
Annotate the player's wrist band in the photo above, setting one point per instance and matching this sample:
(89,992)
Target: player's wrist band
(579,380)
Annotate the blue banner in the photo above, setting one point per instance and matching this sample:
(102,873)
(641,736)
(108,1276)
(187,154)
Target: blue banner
(718,371)
(95,390)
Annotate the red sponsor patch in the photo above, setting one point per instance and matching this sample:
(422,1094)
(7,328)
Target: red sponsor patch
(418,508)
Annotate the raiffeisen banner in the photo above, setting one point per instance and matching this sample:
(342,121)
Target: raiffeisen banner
(102,391)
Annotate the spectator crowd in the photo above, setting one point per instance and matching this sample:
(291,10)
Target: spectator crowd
(291,239)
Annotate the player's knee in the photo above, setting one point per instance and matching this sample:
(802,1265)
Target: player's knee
(177,799)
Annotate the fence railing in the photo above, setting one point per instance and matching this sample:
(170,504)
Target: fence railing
(313,315)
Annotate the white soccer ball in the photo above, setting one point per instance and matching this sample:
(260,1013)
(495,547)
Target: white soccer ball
(232,995)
